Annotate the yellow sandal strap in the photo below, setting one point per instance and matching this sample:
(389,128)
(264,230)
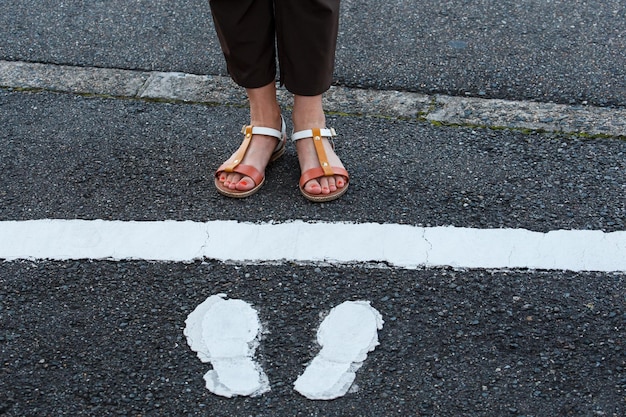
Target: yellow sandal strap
(318,134)
(241,152)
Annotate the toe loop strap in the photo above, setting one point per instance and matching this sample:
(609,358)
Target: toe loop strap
(316,173)
(246,170)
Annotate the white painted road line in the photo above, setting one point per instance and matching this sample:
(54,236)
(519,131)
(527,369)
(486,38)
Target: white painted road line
(401,246)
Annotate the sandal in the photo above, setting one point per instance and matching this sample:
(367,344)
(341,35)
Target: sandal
(248,170)
(324,170)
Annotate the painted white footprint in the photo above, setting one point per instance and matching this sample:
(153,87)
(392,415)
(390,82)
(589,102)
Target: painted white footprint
(346,335)
(225,333)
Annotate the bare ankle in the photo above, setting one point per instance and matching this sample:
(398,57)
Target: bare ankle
(264,108)
(308,113)
(267,119)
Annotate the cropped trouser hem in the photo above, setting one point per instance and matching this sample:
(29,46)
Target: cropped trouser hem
(301,33)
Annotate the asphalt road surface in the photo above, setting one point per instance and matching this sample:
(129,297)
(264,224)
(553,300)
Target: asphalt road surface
(100,338)
(546,50)
(105,338)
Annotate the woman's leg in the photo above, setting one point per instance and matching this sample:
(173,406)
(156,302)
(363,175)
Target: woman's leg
(264,112)
(246,31)
(307,37)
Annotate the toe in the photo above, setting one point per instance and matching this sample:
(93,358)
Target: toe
(245,184)
(332,184)
(231,180)
(313,187)
(325,184)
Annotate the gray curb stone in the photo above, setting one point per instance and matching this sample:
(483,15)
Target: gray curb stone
(80,80)
(176,86)
(551,117)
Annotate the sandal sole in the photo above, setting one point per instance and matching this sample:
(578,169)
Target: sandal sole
(322,198)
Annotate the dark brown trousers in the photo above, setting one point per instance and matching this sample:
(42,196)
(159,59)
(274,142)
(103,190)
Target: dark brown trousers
(305,32)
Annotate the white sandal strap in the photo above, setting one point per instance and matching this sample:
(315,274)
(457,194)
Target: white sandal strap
(268,131)
(302,134)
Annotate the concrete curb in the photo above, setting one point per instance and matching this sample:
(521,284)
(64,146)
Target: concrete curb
(209,89)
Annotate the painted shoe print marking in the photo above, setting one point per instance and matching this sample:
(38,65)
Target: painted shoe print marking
(346,335)
(225,333)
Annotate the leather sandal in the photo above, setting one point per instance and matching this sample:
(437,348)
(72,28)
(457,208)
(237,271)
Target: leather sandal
(235,164)
(324,170)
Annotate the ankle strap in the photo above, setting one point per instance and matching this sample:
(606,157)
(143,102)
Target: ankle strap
(302,134)
(267,131)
